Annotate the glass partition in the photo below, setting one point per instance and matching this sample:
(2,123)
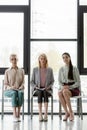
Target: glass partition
(54,19)
(11,37)
(85,39)
(14,2)
(83,2)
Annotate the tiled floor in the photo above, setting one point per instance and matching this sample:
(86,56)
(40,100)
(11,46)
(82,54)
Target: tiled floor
(55,124)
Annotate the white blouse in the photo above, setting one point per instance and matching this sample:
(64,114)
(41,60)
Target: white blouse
(63,77)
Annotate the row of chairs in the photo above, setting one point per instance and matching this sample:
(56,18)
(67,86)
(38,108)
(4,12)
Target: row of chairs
(78,99)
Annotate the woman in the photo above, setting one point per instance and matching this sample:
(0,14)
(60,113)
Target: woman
(14,86)
(69,82)
(42,82)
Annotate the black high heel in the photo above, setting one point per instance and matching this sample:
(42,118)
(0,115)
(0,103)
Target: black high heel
(66,117)
(71,118)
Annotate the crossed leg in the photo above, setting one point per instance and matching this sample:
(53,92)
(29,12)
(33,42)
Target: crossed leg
(64,97)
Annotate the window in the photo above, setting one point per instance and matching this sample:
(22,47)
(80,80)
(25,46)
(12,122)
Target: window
(11,37)
(85,39)
(83,2)
(14,2)
(54,19)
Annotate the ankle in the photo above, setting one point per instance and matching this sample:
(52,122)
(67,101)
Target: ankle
(67,113)
(45,113)
(40,115)
(71,113)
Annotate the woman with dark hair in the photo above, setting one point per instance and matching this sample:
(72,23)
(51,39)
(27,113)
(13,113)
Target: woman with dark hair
(42,83)
(69,85)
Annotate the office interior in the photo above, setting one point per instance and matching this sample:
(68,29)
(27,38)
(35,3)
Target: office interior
(31,27)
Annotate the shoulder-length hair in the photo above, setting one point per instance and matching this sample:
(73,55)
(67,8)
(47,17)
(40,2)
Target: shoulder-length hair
(42,55)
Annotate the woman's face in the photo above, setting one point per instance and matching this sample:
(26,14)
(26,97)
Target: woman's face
(66,59)
(42,61)
(13,60)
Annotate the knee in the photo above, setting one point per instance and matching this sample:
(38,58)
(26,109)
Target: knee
(14,93)
(20,93)
(64,92)
(39,93)
(60,94)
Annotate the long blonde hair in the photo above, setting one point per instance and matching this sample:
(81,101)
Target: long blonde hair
(43,55)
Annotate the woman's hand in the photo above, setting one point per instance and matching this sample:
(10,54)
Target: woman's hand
(36,87)
(47,88)
(65,87)
(14,87)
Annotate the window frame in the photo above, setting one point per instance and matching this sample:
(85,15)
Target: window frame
(15,4)
(81,11)
(25,10)
(26,41)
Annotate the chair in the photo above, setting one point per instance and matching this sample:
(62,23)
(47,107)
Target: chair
(79,107)
(35,95)
(5,97)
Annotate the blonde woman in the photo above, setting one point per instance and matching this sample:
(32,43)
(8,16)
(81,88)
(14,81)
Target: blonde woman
(42,82)
(14,86)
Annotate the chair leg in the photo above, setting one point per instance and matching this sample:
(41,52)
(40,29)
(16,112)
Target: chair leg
(52,107)
(78,106)
(81,109)
(31,107)
(23,111)
(60,114)
(2,114)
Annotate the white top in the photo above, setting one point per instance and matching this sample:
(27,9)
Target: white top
(63,77)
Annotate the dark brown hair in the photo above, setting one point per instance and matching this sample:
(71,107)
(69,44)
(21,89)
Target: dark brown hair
(70,72)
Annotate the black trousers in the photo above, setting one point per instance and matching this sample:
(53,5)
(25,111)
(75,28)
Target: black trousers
(42,96)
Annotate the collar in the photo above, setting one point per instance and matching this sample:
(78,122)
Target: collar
(14,68)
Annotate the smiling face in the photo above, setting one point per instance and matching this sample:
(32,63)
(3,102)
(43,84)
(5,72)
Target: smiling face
(66,59)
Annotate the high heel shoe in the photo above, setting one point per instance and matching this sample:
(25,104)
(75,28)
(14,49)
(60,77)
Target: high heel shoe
(66,117)
(40,118)
(45,118)
(71,118)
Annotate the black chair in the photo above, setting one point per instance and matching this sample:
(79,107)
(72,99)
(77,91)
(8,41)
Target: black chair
(8,98)
(34,94)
